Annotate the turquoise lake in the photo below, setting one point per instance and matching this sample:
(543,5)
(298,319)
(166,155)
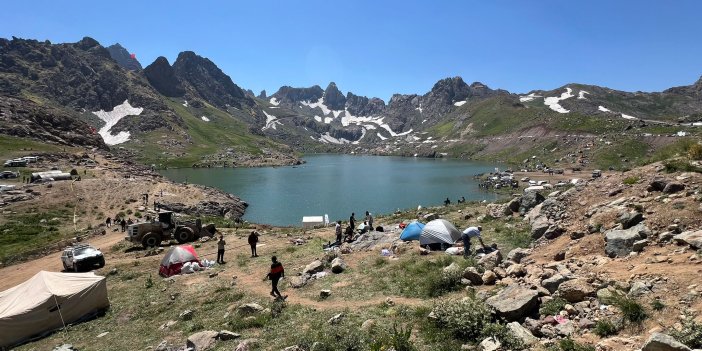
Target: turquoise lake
(340,184)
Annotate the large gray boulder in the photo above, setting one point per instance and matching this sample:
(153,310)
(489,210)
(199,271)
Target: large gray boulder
(516,255)
(620,242)
(521,333)
(473,276)
(630,219)
(338,265)
(514,302)
(576,290)
(530,200)
(671,188)
(203,340)
(314,267)
(539,226)
(491,260)
(692,238)
(663,342)
(551,284)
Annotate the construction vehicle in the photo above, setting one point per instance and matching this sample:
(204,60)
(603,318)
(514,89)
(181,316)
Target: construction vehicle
(165,228)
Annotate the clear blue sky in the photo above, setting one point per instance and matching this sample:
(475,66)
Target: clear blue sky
(379,47)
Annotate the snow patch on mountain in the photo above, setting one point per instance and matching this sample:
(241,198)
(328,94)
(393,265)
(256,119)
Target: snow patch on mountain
(185,103)
(328,139)
(529,97)
(459,103)
(271,121)
(273,101)
(628,117)
(328,120)
(318,119)
(603,109)
(112,117)
(204,118)
(553,101)
(581,94)
(363,134)
(381,136)
(320,103)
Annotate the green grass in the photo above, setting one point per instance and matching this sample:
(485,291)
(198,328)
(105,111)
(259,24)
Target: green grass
(23,234)
(552,307)
(605,328)
(631,180)
(11,147)
(613,155)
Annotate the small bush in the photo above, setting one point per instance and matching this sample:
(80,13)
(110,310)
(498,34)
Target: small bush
(464,318)
(632,311)
(399,339)
(129,211)
(657,305)
(552,307)
(149,282)
(447,281)
(631,180)
(501,333)
(571,345)
(689,334)
(379,262)
(695,152)
(680,166)
(604,328)
(137,214)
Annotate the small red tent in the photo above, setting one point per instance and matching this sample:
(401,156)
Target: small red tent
(175,258)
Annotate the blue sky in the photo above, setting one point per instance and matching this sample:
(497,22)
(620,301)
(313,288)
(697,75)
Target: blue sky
(378,48)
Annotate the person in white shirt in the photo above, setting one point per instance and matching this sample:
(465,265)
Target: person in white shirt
(471,232)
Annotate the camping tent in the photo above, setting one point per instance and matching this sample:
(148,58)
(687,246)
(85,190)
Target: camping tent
(48,301)
(174,259)
(412,231)
(439,231)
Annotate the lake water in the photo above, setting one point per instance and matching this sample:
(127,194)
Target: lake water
(340,184)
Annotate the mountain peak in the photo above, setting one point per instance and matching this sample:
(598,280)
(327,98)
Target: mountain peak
(333,98)
(123,57)
(162,77)
(208,80)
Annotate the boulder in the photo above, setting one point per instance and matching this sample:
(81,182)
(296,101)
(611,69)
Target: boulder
(491,260)
(247,345)
(575,290)
(672,188)
(186,315)
(368,324)
(521,333)
(692,238)
(530,200)
(452,268)
(639,289)
(630,219)
(336,318)
(657,185)
(516,270)
(559,256)
(518,254)
(473,276)
(551,284)
(565,329)
(203,340)
(514,302)
(338,265)
(250,308)
(430,217)
(225,335)
(490,344)
(539,227)
(639,245)
(514,204)
(620,242)
(323,294)
(314,267)
(489,277)
(553,231)
(297,282)
(663,342)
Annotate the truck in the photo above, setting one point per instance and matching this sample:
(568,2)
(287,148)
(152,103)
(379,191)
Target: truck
(164,228)
(596,173)
(81,256)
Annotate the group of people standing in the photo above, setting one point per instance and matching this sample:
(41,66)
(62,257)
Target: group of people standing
(348,233)
(123,223)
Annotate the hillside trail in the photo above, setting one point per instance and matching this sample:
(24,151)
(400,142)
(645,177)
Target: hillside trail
(16,274)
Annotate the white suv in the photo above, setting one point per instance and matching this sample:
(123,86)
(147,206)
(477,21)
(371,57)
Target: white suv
(81,256)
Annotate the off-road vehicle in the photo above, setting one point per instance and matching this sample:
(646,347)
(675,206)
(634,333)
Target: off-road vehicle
(82,256)
(151,234)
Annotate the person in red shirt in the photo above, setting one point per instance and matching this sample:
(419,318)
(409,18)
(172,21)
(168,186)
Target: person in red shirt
(277,272)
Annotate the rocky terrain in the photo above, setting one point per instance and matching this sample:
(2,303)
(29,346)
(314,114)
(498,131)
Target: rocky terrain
(123,57)
(610,263)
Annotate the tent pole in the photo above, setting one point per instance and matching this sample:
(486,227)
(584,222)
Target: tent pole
(61,315)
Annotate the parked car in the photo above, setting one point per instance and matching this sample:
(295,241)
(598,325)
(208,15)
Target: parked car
(82,256)
(9,174)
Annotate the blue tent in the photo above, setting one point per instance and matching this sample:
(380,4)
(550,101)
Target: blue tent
(412,231)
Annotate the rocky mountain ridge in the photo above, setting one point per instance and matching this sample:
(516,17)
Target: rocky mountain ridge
(123,57)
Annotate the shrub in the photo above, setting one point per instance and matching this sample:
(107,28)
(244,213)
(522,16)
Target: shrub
(631,180)
(399,339)
(464,318)
(632,311)
(552,307)
(571,345)
(439,284)
(149,282)
(501,333)
(657,305)
(680,166)
(605,327)
(137,214)
(695,152)
(689,334)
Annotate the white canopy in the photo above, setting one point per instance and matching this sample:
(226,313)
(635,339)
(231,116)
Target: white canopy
(46,302)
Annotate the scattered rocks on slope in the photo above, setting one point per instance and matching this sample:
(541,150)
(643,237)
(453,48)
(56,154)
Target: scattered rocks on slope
(575,290)
(663,342)
(203,340)
(692,238)
(472,274)
(338,265)
(314,267)
(491,260)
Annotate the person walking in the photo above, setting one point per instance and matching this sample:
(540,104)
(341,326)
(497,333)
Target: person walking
(369,220)
(338,232)
(220,249)
(124,224)
(108,222)
(253,241)
(277,272)
(471,232)
(352,220)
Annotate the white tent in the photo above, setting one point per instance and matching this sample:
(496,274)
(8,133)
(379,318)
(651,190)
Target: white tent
(439,231)
(47,302)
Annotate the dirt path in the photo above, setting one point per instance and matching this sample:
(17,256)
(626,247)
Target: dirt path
(16,274)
